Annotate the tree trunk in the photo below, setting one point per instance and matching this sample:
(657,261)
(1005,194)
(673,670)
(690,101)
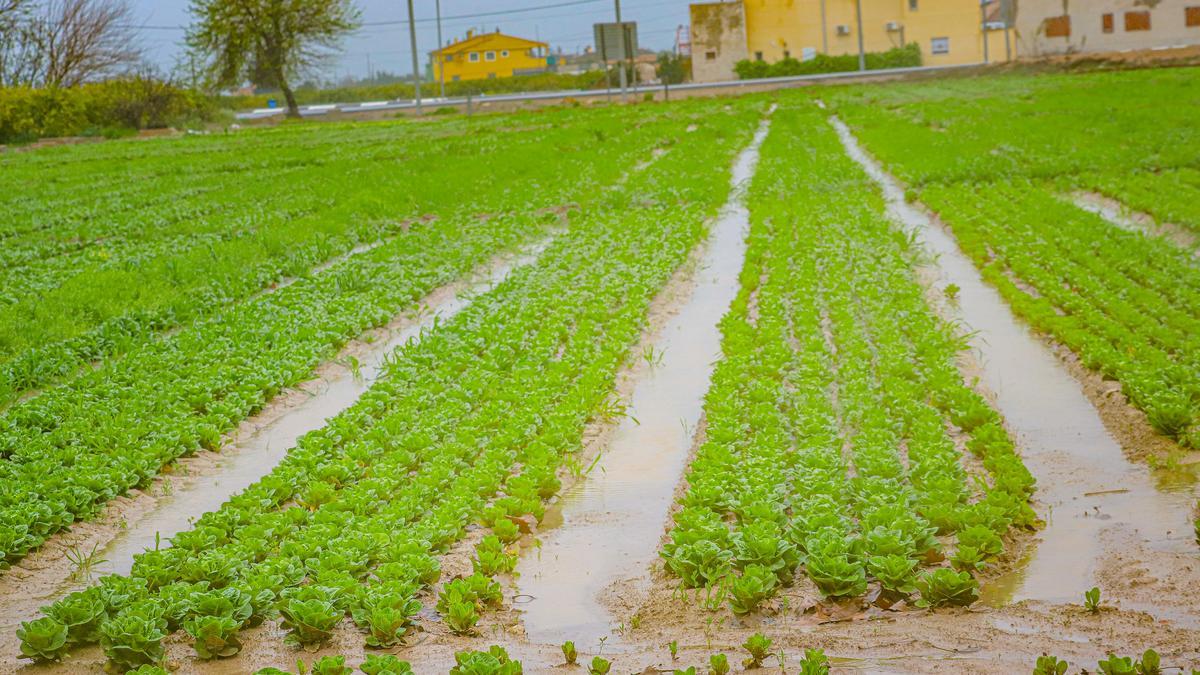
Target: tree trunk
(293,110)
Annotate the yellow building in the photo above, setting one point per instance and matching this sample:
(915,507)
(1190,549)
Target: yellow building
(948,32)
(489,55)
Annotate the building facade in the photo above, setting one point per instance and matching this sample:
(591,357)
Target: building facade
(947,31)
(1046,27)
(488,56)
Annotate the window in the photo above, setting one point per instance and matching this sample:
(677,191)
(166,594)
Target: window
(449,58)
(473,57)
(1137,21)
(758,56)
(710,56)
(787,54)
(1191,16)
(1106,23)
(454,78)
(504,54)
(912,5)
(939,45)
(491,76)
(1058,26)
(489,56)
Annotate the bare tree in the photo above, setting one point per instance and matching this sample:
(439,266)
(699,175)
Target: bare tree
(64,43)
(19,63)
(86,40)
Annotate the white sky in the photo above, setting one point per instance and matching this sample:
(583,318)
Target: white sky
(568,26)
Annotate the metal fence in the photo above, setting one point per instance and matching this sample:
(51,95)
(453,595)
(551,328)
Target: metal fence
(469,101)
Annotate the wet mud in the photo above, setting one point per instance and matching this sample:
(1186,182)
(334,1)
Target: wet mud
(605,529)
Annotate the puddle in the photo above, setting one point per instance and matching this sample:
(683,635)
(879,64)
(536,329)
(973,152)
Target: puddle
(254,455)
(1133,221)
(606,528)
(1086,486)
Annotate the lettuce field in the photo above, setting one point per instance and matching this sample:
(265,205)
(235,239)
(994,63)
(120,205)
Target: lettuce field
(890,377)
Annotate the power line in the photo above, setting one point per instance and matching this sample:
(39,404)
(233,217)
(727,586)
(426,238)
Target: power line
(404,22)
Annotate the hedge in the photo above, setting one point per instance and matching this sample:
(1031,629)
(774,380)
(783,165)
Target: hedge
(27,113)
(898,57)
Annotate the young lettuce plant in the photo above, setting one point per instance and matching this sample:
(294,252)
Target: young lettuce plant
(1049,665)
(215,637)
(331,665)
(495,661)
(944,586)
(599,666)
(43,639)
(569,653)
(1091,600)
(814,662)
(718,664)
(386,616)
(385,664)
(134,636)
(310,622)
(756,584)
(895,574)
(491,558)
(759,647)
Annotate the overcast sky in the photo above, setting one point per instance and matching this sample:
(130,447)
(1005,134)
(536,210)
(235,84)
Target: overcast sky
(562,23)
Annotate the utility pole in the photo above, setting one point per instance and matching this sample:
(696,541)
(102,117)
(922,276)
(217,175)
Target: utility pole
(983,27)
(824,31)
(441,58)
(412,38)
(623,47)
(862,54)
(370,71)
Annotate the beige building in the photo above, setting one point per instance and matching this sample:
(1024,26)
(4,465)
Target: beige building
(1045,27)
(718,40)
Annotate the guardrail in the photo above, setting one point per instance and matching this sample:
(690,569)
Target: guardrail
(375,106)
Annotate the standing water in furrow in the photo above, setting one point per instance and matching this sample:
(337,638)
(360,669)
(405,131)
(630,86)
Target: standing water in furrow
(608,524)
(1087,489)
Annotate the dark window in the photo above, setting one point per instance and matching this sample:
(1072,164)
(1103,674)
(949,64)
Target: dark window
(787,54)
(1135,21)
(1106,22)
(758,56)
(1191,16)
(1058,26)
(912,5)
(710,56)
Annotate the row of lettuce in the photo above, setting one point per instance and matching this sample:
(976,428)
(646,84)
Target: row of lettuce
(134,238)
(470,425)
(1003,162)
(67,451)
(830,452)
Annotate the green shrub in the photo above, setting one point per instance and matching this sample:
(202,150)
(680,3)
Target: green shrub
(907,56)
(111,109)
